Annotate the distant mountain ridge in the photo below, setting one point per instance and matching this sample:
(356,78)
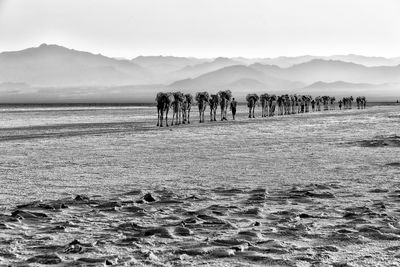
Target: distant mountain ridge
(48,69)
(53,65)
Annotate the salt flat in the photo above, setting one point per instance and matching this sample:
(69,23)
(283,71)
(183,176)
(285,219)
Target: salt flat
(299,190)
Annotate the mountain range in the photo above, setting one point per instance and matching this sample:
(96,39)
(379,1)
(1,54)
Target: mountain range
(52,73)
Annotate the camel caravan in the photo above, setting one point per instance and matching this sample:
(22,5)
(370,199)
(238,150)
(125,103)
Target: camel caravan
(271,105)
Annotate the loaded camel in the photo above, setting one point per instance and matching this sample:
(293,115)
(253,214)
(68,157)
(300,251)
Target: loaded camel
(272,105)
(332,101)
(252,100)
(325,102)
(177,107)
(186,105)
(347,102)
(225,97)
(361,102)
(202,100)
(293,102)
(164,101)
(264,99)
(213,102)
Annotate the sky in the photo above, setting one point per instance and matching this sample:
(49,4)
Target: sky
(205,28)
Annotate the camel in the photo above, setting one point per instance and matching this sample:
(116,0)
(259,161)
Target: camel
(213,102)
(325,102)
(332,102)
(298,103)
(351,102)
(264,99)
(347,102)
(361,102)
(302,104)
(177,107)
(318,101)
(313,105)
(202,100)
(279,102)
(287,104)
(272,105)
(164,101)
(186,105)
(252,100)
(284,104)
(225,97)
(293,101)
(307,103)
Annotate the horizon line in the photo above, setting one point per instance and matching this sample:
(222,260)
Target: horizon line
(197,57)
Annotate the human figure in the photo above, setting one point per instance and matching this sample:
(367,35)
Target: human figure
(233,108)
(313,105)
(340,104)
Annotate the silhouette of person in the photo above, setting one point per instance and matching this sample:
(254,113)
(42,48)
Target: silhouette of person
(233,108)
(340,104)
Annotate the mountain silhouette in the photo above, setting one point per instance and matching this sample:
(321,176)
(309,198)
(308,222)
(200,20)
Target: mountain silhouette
(55,72)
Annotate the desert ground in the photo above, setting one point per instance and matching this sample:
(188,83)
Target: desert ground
(93,186)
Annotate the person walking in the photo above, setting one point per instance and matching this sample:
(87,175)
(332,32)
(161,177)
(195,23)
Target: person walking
(233,108)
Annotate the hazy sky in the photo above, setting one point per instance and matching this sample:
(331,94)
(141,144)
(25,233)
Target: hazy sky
(204,28)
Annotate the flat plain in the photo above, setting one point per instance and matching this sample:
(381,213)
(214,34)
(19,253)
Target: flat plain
(104,185)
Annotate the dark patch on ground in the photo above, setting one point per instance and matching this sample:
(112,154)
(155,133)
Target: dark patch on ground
(380,141)
(393,164)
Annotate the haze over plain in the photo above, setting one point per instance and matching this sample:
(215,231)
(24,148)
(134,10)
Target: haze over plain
(206,45)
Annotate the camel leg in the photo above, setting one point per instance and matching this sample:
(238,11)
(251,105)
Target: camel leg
(158,117)
(188,115)
(161,117)
(166,118)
